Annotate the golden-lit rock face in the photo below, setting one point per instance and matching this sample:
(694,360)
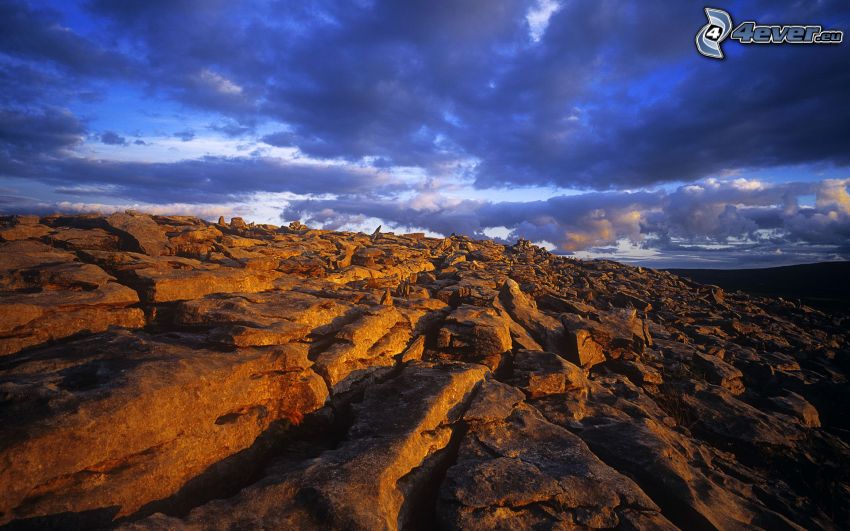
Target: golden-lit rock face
(168,373)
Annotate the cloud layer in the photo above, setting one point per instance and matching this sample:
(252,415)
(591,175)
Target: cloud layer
(603,108)
(730,215)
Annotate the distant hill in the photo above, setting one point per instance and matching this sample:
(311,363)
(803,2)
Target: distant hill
(825,285)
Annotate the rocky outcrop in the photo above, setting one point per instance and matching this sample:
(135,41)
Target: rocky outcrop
(164,372)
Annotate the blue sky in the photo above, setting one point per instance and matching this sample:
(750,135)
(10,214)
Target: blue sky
(591,127)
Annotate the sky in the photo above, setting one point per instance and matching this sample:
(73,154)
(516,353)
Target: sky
(591,127)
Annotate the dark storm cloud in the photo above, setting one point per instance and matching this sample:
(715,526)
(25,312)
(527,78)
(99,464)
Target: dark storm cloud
(644,112)
(29,136)
(21,84)
(192,48)
(40,35)
(612,95)
(406,68)
(280,139)
(209,179)
(113,139)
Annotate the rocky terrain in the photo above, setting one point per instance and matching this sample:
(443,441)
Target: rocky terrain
(169,373)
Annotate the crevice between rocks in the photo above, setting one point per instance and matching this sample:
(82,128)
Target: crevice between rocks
(419,510)
(676,511)
(280,447)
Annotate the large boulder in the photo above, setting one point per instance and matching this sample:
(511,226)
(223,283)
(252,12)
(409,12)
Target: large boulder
(607,335)
(140,233)
(544,373)
(116,421)
(476,334)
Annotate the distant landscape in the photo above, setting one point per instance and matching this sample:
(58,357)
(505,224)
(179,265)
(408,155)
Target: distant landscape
(824,285)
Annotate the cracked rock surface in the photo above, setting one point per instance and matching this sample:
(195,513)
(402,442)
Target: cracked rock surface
(164,372)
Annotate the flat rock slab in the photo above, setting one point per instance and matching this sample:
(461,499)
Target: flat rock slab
(253,319)
(123,419)
(47,294)
(171,278)
(399,427)
(680,475)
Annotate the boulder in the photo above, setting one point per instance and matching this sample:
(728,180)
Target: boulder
(140,232)
(546,330)
(798,407)
(136,417)
(718,372)
(607,335)
(476,334)
(544,373)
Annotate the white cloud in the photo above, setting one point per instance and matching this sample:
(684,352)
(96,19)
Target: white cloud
(205,211)
(538,17)
(219,83)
